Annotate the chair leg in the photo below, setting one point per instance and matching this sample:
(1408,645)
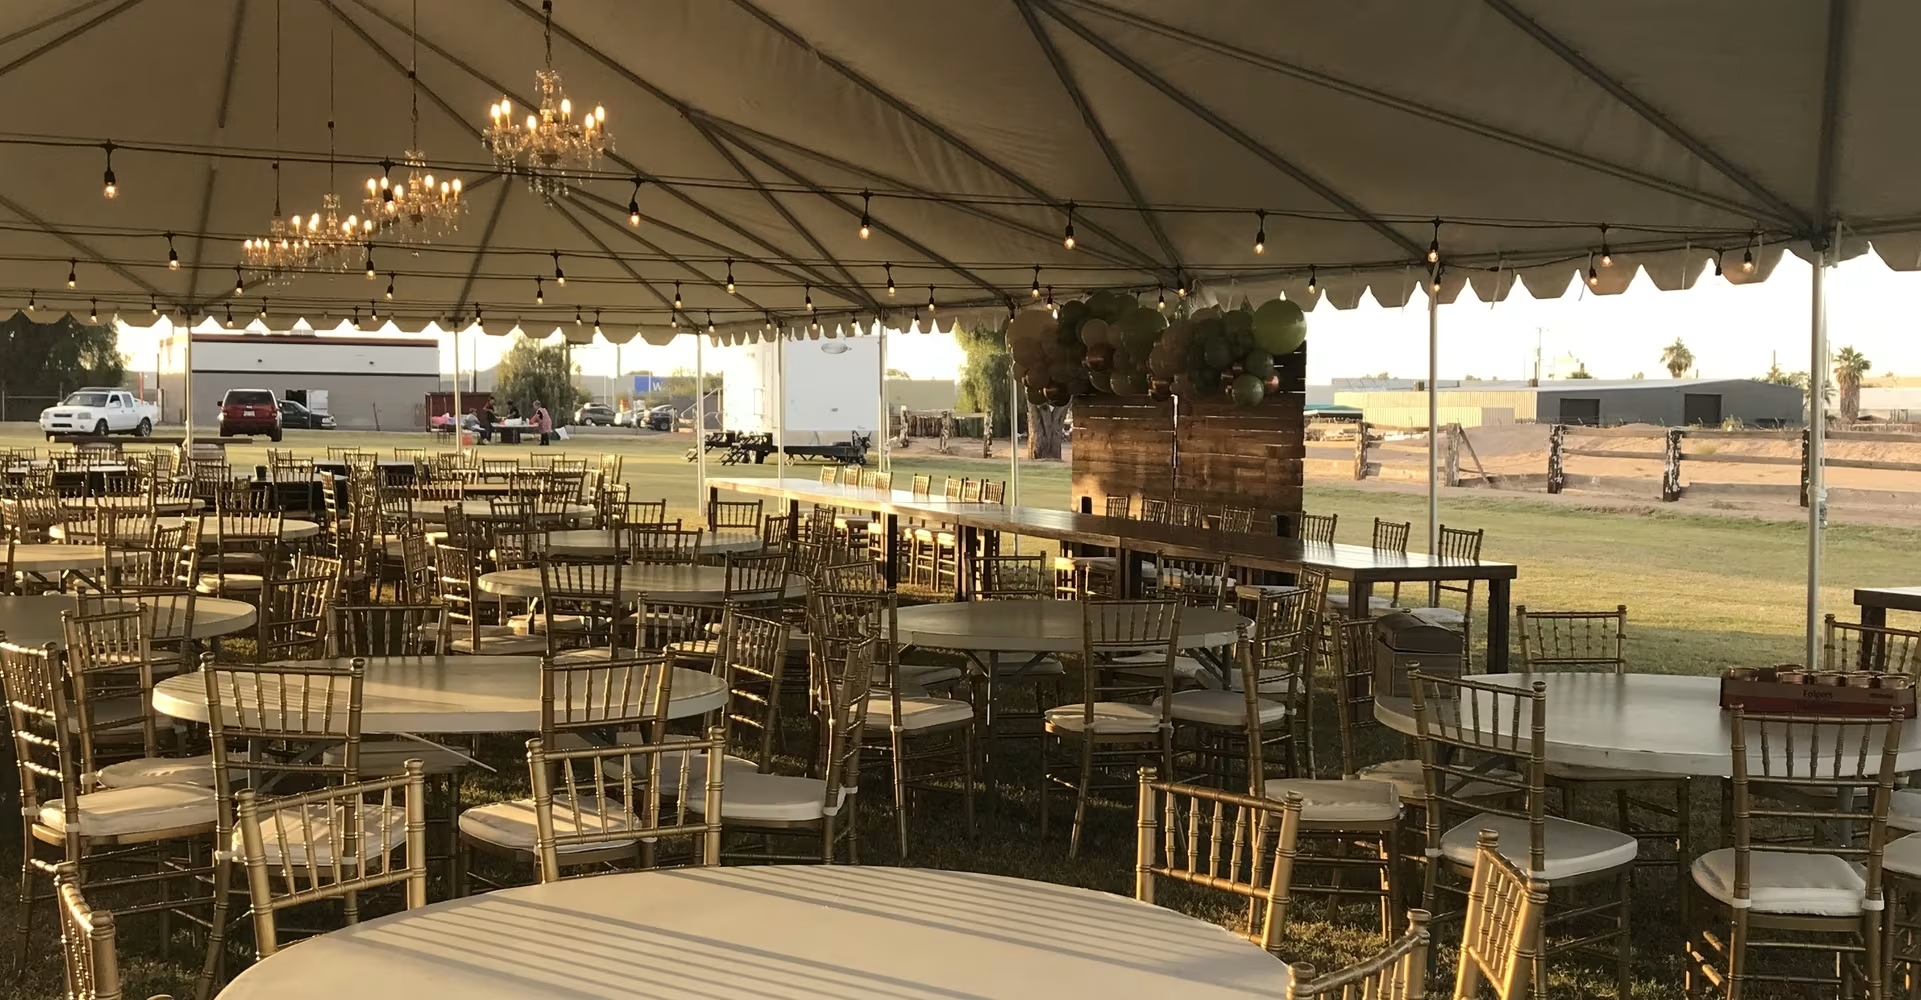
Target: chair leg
(24,926)
(898,743)
(1047,791)
(968,753)
(1624,953)
(213,968)
(1080,796)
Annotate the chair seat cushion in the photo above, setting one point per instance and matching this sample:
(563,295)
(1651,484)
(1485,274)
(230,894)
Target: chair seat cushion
(1097,564)
(1581,772)
(534,623)
(123,812)
(1405,775)
(599,654)
(917,712)
(1903,856)
(1441,616)
(1222,708)
(1785,882)
(1572,848)
(1111,718)
(197,770)
(511,824)
(916,678)
(228,583)
(501,645)
(1256,591)
(708,648)
(1339,800)
(317,837)
(749,797)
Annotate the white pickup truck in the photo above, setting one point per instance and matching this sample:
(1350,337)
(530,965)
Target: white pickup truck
(100,411)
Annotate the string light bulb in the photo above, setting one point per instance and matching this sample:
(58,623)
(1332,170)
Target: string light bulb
(1034,290)
(890,279)
(633,205)
(93,310)
(1593,276)
(560,276)
(73,277)
(30,303)
(1434,246)
(577,319)
(1181,288)
(1747,257)
(1434,285)
(930,300)
(596,320)
(390,286)
(1312,285)
(1260,232)
(229,317)
(710,321)
(373,310)
(112,189)
(540,292)
(1717,263)
(810,297)
(730,277)
(173,256)
(153,305)
(1607,256)
(1161,298)
(866,218)
(676,295)
(1067,237)
(239,285)
(370,262)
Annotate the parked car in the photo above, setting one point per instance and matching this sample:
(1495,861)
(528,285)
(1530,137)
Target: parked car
(250,411)
(661,418)
(594,413)
(293,414)
(100,411)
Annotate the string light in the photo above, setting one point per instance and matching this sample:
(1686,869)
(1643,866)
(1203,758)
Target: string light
(72,269)
(229,317)
(1050,296)
(1434,246)
(866,219)
(767,322)
(930,300)
(633,205)
(577,320)
(810,297)
(560,276)
(540,292)
(390,286)
(263,313)
(890,279)
(710,321)
(1747,256)
(1067,238)
(30,302)
(1260,233)
(1034,291)
(93,313)
(1312,285)
(1607,258)
(153,305)
(173,256)
(239,286)
(373,309)
(596,320)
(1593,276)
(1717,262)
(112,185)
(1181,288)
(730,277)
(1161,299)
(370,262)
(1435,285)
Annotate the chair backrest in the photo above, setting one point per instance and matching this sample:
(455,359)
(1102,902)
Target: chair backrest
(1118,505)
(1501,936)
(580,605)
(734,514)
(923,485)
(292,621)
(1242,845)
(1002,578)
(1239,520)
(417,577)
(1273,661)
(86,940)
(1319,528)
(331,843)
(776,530)
(994,491)
(1816,775)
(1197,583)
(663,546)
(1580,640)
(109,663)
(1461,543)
(388,630)
(1461,725)
(1854,646)
(951,489)
(841,694)
(1137,630)
(456,576)
(861,576)
(830,475)
(1352,643)
(1396,972)
(757,579)
(604,694)
(1391,536)
(39,717)
(597,789)
(970,491)
(1184,514)
(308,714)
(644,513)
(751,656)
(869,478)
(1153,511)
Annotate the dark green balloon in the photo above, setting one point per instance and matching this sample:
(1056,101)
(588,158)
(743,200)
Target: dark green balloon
(1248,390)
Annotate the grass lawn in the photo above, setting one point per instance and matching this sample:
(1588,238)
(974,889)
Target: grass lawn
(1702,592)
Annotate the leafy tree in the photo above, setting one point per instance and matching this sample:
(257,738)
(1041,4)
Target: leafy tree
(53,359)
(982,385)
(533,372)
(1677,359)
(1776,376)
(1580,372)
(1849,366)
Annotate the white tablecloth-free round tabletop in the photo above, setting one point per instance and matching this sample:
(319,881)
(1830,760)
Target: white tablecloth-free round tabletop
(141,503)
(291,529)
(666,584)
(448,694)
(776,932)
(600,542)
(435,511)
(1660,723)
(35,620)
(1037,626)
(50,558)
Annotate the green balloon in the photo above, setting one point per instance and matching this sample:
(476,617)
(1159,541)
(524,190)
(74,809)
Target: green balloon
(1129,384)
(1072,312)
(1248,390)
(1141,325)
(1279,327)
(1108,305)
(1238,322)
(1258,363)
(1215,354)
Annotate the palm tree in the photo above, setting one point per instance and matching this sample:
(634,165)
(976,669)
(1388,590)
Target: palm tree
(1676,358)
(1849,366)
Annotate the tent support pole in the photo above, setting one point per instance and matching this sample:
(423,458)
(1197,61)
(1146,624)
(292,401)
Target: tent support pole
(700,421)
(1817,433)
(880,365)
(780,409)
(460,429)
(1013,439)
(186,389)
(1433,417)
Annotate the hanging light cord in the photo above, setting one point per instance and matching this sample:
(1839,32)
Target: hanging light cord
(276,107)
(413,71)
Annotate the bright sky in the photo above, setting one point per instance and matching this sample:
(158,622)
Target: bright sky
(1732,330)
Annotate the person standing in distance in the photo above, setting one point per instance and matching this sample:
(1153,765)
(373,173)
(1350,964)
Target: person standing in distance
(543,422)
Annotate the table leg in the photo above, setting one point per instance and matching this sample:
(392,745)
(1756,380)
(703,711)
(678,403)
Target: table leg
(965,539)
(890,554)
(1498,601)
(1129,584)
(984,713)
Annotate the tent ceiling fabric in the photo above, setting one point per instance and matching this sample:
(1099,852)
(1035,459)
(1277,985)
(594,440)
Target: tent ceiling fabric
(1690,130)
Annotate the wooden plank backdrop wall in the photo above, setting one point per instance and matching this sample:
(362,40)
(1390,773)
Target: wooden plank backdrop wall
(1221,455)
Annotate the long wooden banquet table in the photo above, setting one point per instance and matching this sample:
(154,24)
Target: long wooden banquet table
(1359,566)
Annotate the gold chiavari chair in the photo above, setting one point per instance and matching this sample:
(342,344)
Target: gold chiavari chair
(1196,583)
(1153,510)
(1397,972)
(1122,720)
(60,808)
(755,583)
(663,545)
(1464,546)
(610,501)
(387,630)
(1501,937)
(777,531)
(246,551)
(416,455)
(1210,725)
(87,948)
(1467,729)
(830,475)
(292,621)
(734,514)
(582,613)
(1239,520)
(922,486)
(1389,536)
(1854,646)
(332,843)
(418,582)
(1318,529)
(589,797)
(1206,838)
(1184,514)
(1118,505)
(644,513)
(1818,788)
(110,675)
(577,701)
(457,571)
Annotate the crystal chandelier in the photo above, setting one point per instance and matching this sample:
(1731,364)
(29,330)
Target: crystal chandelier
(285,251)
(551,143)
(416,210)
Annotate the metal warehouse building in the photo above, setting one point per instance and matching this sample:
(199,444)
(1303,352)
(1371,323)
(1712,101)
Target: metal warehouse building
(371,383)
(1666,402)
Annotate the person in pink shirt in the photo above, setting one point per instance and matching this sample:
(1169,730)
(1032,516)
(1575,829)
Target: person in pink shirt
(543,422)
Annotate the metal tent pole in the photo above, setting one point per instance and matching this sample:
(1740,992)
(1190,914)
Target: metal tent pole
(780,409)
(459,427)
(1433,414)
(880,365)
(1817,433)
(186,408)
(1013,437)
(700,421)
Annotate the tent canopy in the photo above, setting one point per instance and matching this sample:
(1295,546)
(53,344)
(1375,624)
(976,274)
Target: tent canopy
(1729,128)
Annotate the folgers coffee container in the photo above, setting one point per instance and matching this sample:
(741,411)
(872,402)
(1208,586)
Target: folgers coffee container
(1790,689)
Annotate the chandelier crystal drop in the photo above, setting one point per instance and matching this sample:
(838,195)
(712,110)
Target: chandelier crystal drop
(552,143)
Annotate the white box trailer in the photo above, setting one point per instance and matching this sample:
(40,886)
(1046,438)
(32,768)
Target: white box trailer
(832,387)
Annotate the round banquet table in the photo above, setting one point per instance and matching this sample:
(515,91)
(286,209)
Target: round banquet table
(142,503)
(1037,626)
(447,694)
(49,558)
(600,542)
(1659,723)
(775,932)
(434,511)
(291,529)
(666,584)
(35,620)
